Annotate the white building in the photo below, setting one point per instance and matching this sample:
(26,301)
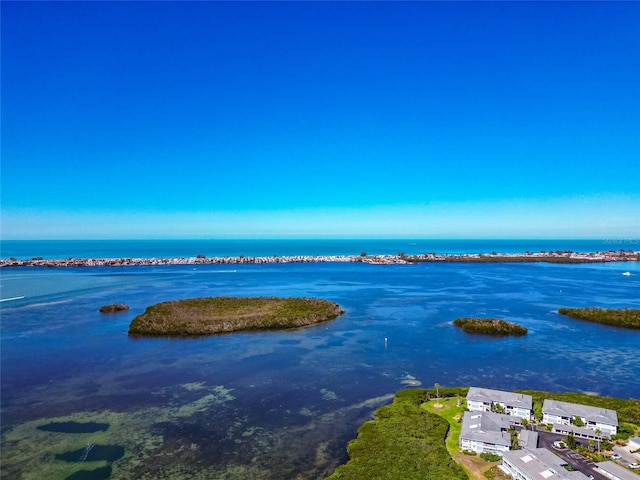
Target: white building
(489,432)
(564,413)
(537,464)
(486,400)
(615,472)
(485,432)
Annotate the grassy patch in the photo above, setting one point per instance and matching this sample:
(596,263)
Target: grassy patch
(619,317)
(490,326)
(205,316)
(452,413)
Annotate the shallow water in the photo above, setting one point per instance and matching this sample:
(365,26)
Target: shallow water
(283,404)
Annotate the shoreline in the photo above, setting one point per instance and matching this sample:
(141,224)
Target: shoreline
(400,258)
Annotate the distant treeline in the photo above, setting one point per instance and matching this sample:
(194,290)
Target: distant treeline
(620,317)
(490,326)
(501,259)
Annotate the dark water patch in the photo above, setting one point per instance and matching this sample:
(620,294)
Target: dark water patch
(289,342)
(151,379)
(90,388)
(93,453)
(74,427)
(101,473)
(168,361)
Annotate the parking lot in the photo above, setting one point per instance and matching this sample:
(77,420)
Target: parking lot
(577,461)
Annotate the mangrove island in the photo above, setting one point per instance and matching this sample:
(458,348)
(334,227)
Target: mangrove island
(206,316)
(619,317)
(114,308)
(490,326)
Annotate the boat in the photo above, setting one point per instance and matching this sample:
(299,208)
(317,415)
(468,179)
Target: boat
(626,274)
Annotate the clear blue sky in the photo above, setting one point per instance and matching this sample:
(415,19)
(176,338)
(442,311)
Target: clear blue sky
(240,119)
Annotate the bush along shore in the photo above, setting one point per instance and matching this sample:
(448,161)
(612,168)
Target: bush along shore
(490,326)
(619,317)
(206,316)
(404,441)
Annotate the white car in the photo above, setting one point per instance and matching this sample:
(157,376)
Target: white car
(633,466)
(615,456)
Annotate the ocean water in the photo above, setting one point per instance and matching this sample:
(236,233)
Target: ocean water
(280,404)
(63,249)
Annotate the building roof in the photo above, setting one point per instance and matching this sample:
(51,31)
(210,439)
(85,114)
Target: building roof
(540,463)
(486,427)
(511,399)
(617,471)
(528,439)
(593,414)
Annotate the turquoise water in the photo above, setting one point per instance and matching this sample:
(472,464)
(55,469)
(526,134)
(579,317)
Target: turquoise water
(283,405)
(64,249)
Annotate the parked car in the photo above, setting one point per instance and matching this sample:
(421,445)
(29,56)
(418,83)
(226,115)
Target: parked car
(614,456)
(633,466)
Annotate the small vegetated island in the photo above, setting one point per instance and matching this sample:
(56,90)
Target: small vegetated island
(114,308)
(490,326)
(619,317)
(206,316)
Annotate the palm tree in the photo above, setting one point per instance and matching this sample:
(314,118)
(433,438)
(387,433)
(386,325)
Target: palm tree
(599,437)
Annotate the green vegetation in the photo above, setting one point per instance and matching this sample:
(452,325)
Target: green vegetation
(490,457)
(116,307)
(490,326)
(620,317)
(628,410)
(205,316)
(404,441)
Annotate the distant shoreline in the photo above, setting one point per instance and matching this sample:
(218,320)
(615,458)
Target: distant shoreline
(567,257)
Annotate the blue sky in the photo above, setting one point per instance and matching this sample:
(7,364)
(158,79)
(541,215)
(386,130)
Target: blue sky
(330,119)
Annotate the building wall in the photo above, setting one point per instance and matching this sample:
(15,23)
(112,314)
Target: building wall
(480,447)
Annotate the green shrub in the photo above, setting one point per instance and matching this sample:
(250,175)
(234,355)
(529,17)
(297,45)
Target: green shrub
(490,457)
